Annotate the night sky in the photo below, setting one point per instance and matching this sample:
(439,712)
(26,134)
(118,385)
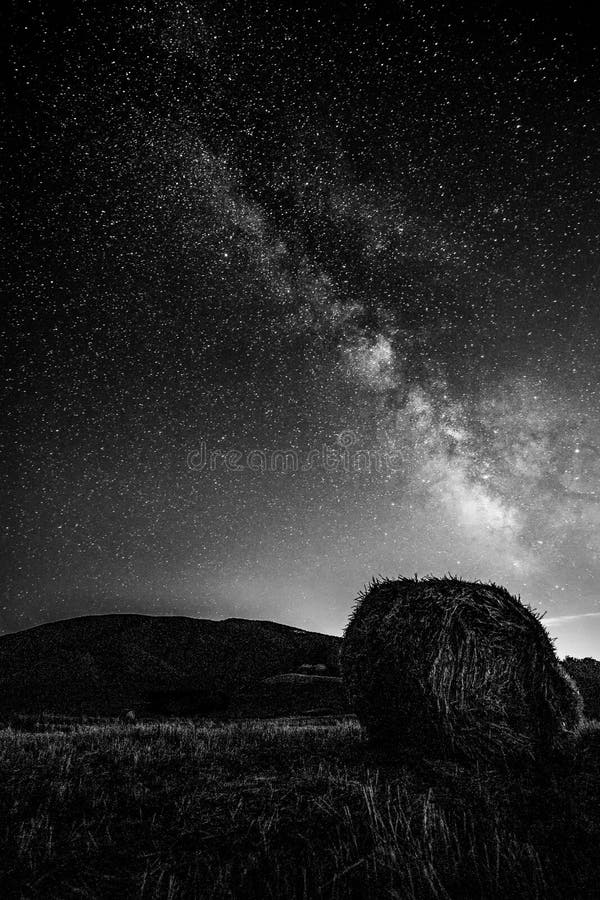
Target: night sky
(299,296)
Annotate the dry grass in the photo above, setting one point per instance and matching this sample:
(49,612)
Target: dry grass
(275,810)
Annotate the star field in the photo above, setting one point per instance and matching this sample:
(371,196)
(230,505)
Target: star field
(250,230)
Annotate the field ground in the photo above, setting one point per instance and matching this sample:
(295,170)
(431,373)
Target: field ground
(284,809)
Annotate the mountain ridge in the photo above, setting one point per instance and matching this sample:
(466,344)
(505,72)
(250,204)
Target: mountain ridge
(103,663)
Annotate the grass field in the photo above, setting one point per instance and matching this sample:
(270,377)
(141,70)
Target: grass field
(284,809)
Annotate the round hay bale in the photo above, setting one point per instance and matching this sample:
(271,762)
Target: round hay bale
(445,667)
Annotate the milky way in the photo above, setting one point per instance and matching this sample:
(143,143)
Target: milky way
(331,240)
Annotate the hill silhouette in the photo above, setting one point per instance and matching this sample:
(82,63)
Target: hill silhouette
(99,665)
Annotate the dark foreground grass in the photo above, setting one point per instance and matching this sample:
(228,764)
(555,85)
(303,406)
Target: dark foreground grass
(284,810)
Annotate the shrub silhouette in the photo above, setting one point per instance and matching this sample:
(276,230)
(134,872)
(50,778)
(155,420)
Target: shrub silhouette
(445,667)
(586,675)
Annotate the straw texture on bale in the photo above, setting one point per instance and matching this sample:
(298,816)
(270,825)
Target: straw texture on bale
(445,667)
